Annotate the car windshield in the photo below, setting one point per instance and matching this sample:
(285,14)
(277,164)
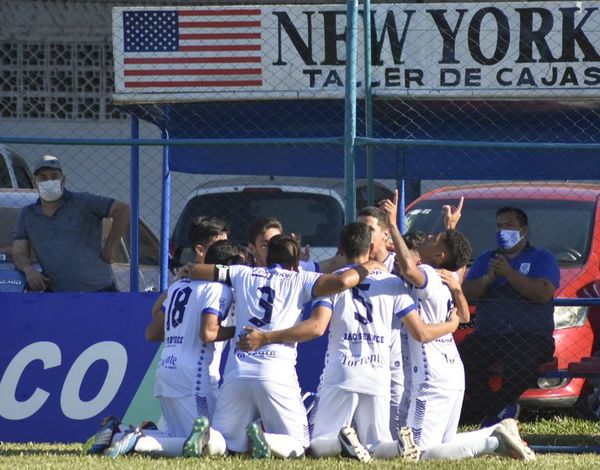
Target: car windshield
(562,227)
(317,218)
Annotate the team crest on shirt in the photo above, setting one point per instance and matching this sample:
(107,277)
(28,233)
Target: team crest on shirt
(524,268)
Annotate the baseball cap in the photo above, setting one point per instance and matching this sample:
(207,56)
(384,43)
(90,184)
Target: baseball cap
(47,161)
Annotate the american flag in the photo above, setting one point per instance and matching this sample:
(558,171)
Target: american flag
(200,48)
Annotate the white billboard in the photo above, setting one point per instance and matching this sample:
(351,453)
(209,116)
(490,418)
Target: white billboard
(471,50)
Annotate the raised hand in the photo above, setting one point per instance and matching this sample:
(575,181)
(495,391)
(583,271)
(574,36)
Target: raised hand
(452,214)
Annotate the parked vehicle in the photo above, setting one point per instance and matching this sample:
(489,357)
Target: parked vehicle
(311,208)
(11,280)
(564,219)
(14,171)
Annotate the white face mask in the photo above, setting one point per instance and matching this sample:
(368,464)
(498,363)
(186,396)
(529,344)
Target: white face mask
(50,190)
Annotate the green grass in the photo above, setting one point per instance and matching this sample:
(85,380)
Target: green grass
(542,431)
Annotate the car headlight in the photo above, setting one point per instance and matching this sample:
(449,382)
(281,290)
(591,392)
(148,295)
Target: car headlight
(568,317)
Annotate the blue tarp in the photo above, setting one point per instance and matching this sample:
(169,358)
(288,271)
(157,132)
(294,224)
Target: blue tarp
(494,121)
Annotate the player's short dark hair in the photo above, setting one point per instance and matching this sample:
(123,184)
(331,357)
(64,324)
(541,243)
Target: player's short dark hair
(224,252)
(520,213)
(203,228)
(459,250)
(283,250)
(261,225)
(375,212)
(414,239)
(355,239)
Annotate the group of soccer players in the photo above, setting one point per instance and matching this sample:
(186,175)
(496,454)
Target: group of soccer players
(393,381)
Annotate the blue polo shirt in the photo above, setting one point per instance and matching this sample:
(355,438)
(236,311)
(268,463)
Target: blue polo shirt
(502,309)
(68,244)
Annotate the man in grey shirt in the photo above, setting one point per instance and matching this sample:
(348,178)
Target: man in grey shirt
(64,230)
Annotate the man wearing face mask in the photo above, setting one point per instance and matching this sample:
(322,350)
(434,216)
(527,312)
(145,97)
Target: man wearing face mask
(513,287)
(64,230)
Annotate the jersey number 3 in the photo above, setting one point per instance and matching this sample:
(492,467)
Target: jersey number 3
(267,296)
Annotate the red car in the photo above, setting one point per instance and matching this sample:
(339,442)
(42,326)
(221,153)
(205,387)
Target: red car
(564,218)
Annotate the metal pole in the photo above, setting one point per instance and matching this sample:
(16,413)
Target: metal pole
(165,214)
(350,110)
(368,102)
(134,227)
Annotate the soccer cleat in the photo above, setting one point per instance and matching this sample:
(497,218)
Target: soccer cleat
(512,427)
(125,445)
(102,440)
(258,443)
(407,448)
(512,410)
(196,442)
(510,444)
(351,446)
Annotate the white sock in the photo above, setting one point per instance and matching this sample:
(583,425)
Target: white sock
(283,446)
(216,444)
(325,447)
(470,435)
(463,449)
(160,445)
(386,450)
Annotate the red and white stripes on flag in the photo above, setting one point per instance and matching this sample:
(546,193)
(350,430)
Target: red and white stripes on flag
(179,49)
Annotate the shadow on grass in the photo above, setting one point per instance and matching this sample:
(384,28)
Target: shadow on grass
(29,451)
(562,440)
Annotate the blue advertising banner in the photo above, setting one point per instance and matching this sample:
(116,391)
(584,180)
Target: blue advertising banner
(68,360)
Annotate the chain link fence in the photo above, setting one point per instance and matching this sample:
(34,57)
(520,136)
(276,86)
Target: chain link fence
(478,74)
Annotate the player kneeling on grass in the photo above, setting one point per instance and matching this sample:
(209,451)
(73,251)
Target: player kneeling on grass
(260,405)
(355,382)
(438,375)
(190,324)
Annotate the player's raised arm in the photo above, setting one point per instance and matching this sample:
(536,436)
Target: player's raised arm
(311,328)
(328,284)
(405,261)
(424,332)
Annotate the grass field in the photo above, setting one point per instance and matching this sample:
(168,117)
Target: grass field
(546,431)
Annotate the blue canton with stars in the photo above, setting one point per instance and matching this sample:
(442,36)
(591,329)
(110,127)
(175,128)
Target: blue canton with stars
(151,31)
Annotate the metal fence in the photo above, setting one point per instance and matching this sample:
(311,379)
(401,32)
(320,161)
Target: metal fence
(264,116)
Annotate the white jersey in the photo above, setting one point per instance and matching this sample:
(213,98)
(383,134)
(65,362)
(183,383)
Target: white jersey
(214,369)
(268,299)
(436,363)
(185,359)
(388,262)
(358,354)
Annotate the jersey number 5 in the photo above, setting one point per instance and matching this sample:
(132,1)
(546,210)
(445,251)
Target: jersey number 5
(356,294)
(267,295)
(177,307)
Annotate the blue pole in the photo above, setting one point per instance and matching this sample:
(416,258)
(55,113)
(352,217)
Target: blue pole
(368,101)
(402,208)
(134,227)
(165,214)
(350,110)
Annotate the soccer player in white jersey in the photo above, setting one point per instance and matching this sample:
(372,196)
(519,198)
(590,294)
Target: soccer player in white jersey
(202,233)
(376,218)
(354,386)
(263,385)
(438,375)
(192,322)
(259,234)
